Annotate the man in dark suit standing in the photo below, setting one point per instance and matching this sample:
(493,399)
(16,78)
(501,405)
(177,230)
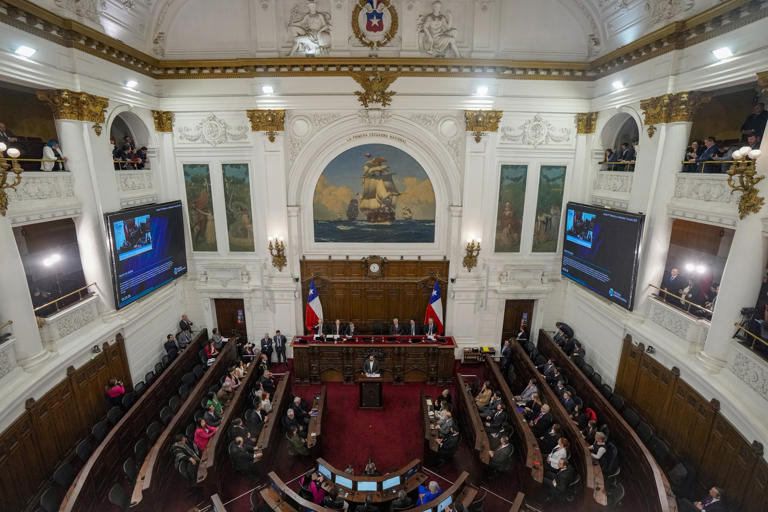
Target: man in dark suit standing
(541,423)
(185,324)
(557,483)
(506,356)
(412,329)
(500,456)
(395,329)
(448,444)
(627,153)
(170,344)
(713,502)
(351,330)
(371,366)
(242,458)
(337,329)
(255,419)
(279,341)
(673,283)
(266,346)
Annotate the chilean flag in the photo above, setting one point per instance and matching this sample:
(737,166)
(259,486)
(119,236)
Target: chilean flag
(314,310)
(375,22)
(435,309)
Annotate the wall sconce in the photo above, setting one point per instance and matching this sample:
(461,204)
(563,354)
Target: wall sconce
(6,168)
(470,258)
(744,168)
(277,250)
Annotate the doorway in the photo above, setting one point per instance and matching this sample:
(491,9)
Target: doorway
(230,317)
(515,313)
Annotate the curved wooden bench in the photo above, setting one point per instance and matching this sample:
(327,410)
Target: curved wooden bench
(268,441)
(104,467)
(636,458)
(471,422)
(530,449)
(588,468)
(158,466)
(215,453)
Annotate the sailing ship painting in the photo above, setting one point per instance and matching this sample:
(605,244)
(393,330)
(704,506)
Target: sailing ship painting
(374,193)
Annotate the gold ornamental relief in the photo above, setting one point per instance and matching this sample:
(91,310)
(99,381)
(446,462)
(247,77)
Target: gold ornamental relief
(586,122)
(268,121)
(672,108)
(375,87)
(762,81)
(79,106)
(480,122)
(163,120)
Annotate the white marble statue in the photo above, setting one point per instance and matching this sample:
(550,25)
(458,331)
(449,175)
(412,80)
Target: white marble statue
(437,35)
(311,31)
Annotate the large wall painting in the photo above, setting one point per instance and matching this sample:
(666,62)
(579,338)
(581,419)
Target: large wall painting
(546,231)
(237,197)
(509,220)
(374,193)
(197,181)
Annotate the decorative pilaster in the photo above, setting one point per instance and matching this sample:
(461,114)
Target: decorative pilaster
(480,122)
(672,108)
(762,81)
(77,106)
(269,121)
(163,120)
(586,123)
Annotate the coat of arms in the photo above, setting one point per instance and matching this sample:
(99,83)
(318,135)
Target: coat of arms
(374,22)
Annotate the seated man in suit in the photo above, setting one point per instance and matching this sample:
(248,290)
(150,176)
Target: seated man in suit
(412,329)
(298,443)
(541,423)
(430,329)
(402,501)
(268,383)
(527,393)
(238,429)
(351,330)
(170,344)
(713,502)
(266,346)
(487,411)
(557,483)
(368,506)
(394,328)
(243,458)
(496,423)
(568,402)
(708,155)
(185,324)
(333,501)
(337,329)
(500,457)
(290,423)
(445,424)
(554,377)
(371,366)
(302,416)
(211,417)
(559,389)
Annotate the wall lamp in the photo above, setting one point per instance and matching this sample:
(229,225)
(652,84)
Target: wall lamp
(10,174)
(744,171)
(472,251)
(277,250)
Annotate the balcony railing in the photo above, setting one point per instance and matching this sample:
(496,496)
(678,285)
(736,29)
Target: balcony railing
(68,320)
(617,166)
(64,301)
(612,188)
(708,166)
(689,329)
(135,187)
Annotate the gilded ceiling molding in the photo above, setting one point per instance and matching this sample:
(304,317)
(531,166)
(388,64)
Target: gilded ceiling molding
(375,87)
(269,121)
(480,122)
(725,17)
(586,122)
(78,106)
(762,81)
(672,108)
(163,120)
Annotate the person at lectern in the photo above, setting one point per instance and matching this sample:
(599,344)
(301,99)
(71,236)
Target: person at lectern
(395,329)
(371,366)
(319,327)
(430,329)
(337,329)
(351,330)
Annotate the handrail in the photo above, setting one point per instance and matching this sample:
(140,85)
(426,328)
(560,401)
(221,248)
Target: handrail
(6,324)
(680,298)
(130,162)
(755,338)
(36,159)
(55,301)
(705,162)
(626,164)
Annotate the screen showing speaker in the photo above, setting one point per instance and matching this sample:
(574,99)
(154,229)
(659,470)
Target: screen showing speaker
(147,249)
(601,250)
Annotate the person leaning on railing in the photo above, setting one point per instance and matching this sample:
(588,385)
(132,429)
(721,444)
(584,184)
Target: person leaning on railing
(53,158)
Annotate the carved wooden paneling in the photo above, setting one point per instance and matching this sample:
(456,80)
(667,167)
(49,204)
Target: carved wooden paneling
(56,421)
(688,428)
(628,366)
(754,500)
(23,467)
(653,389)
(347,293)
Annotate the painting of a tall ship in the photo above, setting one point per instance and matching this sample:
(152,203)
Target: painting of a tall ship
(374,193)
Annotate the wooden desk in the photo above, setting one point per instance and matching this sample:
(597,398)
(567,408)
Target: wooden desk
(212,459)
(465,497)
(400,361)
(268,440)
(529,447)
(581,458)
(274,501)
(218,505)
(517,504)
(414,481)
(158,469)
(636,461)
(370,392)
(315,428)
(471,424)
(91,486)
(430,434)
(288,496)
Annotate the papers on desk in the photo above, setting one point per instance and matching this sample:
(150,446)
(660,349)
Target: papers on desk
(431,414)
(224,340)
(432,338)
(373,375)
(336,336)
(429,402)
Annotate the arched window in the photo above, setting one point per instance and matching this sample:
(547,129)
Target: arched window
(129,137)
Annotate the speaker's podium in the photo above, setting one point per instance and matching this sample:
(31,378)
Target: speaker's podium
(370,391)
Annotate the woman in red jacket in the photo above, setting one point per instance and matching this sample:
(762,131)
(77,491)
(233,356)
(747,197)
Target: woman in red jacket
(203,433)
(210,350)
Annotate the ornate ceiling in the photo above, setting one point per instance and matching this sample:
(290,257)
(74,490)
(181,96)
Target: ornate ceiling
(521,30)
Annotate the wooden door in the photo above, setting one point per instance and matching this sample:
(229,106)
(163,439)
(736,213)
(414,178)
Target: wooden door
(515,312)
(230,317)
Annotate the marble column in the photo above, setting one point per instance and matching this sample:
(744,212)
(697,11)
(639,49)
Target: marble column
(584,166)
(741,281)
(16,302)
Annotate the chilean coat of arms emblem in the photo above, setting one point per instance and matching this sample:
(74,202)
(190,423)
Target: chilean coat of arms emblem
(374,22)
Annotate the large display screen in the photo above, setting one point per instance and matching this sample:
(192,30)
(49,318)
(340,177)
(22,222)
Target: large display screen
(601,250)
(147,249)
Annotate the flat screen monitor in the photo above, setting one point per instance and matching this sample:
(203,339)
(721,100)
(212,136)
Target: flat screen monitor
(443,504)
(601,249)
(411,472)
(390,483)
(147,249)
(324,471)
(367,486)
(344,481)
